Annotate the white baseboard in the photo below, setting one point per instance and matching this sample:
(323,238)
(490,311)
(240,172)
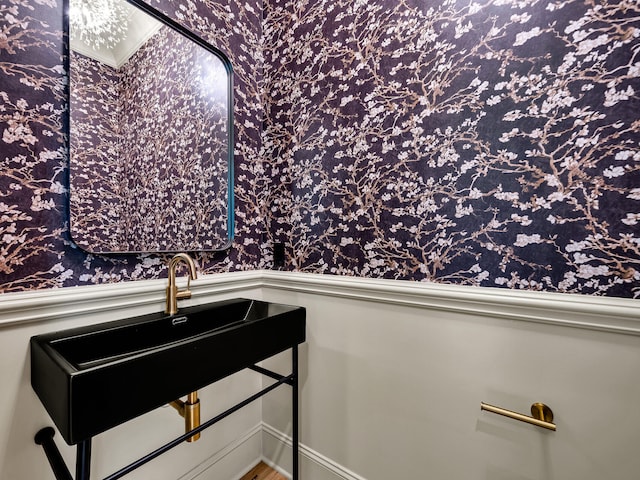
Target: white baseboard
(324,468)
(240,456)
(232,461)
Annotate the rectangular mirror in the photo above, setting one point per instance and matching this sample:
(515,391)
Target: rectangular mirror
(151,132)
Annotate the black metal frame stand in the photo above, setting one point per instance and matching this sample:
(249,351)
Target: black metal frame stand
(44,437)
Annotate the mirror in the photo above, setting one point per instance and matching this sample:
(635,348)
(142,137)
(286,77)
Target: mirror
(151,133)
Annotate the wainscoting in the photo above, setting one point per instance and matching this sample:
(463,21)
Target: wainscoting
(392,376)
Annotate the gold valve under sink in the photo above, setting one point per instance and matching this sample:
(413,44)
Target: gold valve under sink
(190,410)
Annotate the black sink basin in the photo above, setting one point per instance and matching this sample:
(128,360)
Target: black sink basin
(93,378)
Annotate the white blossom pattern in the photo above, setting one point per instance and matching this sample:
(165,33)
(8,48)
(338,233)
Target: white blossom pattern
(483,143)
(489,144)
(132,189)
(36,251)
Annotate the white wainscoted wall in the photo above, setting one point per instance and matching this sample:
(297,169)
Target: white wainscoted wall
(223,452)
(392,376)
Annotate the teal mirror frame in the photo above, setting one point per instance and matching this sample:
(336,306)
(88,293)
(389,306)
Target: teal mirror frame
(219,243)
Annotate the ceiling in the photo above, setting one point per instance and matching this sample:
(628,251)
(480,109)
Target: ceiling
(141,27)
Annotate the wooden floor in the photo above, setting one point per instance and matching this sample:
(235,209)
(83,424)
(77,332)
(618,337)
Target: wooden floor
(263,472)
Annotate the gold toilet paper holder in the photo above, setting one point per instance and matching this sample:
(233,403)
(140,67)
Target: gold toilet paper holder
(541,414)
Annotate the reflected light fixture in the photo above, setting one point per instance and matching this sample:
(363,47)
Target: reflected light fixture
(98,23)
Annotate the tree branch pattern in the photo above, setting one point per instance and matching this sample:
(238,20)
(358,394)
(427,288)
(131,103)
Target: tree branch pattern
(132,189)
(482,143)
(36,250)
(489,143)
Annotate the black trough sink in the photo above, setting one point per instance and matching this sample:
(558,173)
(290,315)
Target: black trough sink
(93,378)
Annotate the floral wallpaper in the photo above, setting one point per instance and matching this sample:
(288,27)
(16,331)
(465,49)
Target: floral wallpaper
(36,251)
(96,169)
(492,143)
(135,190)
(177,182)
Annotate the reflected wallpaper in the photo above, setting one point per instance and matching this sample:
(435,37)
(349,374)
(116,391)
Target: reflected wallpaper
(481,143)
(97,192)
(36,251)
(135,190)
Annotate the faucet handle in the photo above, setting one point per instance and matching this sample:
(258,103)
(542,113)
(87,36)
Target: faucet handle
(185,293)
(182,294)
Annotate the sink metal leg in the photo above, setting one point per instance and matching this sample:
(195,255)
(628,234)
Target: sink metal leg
(83,460)
(295,425)
(44,438)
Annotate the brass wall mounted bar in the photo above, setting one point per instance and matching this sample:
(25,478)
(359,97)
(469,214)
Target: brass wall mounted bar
(542,416)
(190,410)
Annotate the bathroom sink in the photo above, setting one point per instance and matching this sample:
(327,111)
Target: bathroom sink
(93,378)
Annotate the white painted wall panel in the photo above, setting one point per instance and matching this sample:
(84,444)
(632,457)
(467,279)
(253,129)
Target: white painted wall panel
(394,391)
(22,414)
(392,376)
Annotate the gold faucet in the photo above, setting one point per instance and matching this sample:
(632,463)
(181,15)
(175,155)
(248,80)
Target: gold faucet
(190,410)
(173,295)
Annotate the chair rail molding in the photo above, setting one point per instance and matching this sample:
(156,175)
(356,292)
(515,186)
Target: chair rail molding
(142,296)
(610,314)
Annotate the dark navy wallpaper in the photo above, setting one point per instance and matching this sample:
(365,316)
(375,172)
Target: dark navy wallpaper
(36,251)
(480,143)
(490,144)
(131,189)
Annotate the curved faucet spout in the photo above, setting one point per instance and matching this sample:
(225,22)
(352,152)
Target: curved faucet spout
(172,288)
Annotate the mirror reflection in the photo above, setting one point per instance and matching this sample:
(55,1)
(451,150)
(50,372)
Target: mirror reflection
(150,133)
